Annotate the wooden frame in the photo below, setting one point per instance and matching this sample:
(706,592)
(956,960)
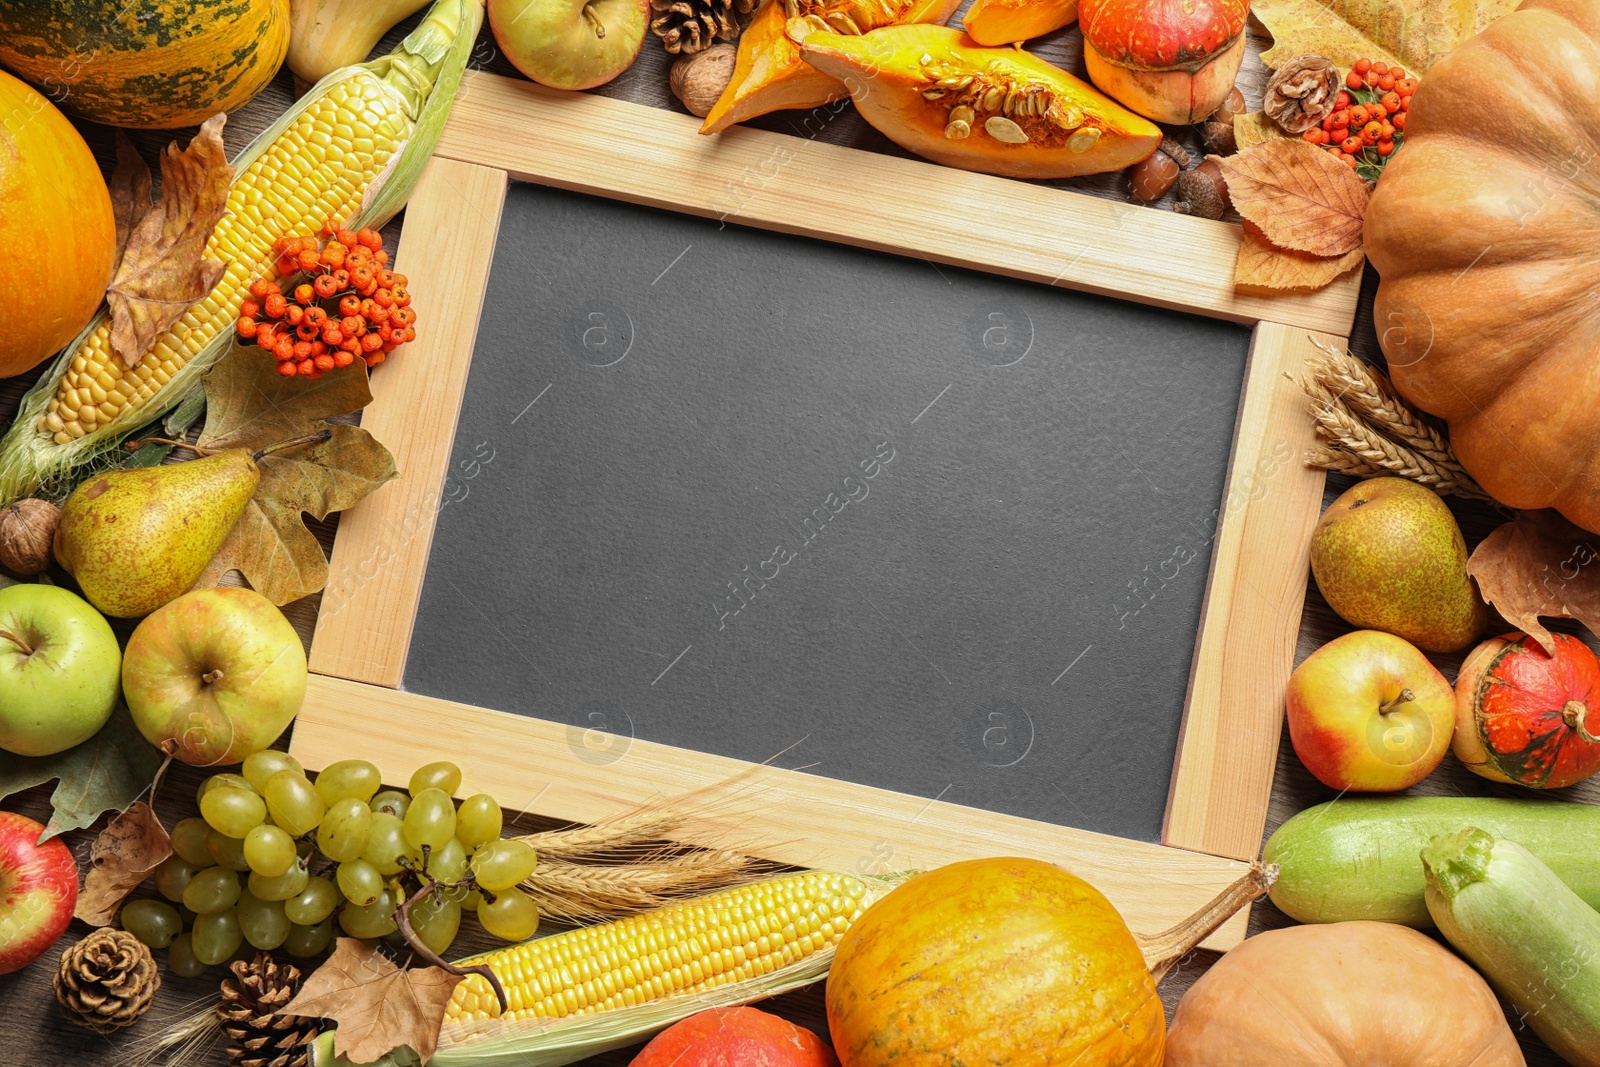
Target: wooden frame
(503,130)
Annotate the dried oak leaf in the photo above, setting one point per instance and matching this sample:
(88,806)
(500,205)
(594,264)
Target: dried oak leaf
(1411,35)
(1255,128)
(130,192)
(1300,196)
(1265,268)
(378,1006)
(164,268)
(128,849)
(105,773)
(250,405)
(1539,564)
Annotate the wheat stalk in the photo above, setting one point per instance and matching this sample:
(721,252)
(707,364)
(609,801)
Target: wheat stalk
(589,892)
(628,832)
(1369,395)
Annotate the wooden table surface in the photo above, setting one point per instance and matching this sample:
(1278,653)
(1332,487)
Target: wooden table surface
(34,1034)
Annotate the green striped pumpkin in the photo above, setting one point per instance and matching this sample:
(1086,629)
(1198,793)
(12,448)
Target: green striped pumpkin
(146,65)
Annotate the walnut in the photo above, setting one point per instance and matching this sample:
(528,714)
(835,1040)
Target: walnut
(1301,93)
(27,529)
(699,78)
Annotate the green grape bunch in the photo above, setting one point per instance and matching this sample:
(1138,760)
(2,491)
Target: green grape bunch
(279,861)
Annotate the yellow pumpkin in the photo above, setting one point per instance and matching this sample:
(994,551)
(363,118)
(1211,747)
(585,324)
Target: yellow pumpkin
(56,221)
(1485,242)
(992,22)
(1001,111)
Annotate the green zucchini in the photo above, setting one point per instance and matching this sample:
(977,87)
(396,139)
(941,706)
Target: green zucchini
(1532,936)
(1359,859)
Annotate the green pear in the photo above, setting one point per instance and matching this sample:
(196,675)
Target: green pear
(1389,556)
(137,539)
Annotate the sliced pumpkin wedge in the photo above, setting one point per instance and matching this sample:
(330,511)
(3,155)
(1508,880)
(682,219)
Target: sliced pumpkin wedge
(992,22)
(769,75)
(933,91)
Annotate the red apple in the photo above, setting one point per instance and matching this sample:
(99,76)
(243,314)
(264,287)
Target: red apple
(1368,712)
(38,890)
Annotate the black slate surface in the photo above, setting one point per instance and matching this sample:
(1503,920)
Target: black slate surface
(911,526)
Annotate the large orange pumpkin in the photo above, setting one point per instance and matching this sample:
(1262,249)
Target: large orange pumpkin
(1489,308)
(56,225)
(996,961)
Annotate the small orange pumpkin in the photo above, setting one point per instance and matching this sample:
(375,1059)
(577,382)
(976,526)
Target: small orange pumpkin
(1001,111)
(996,22)
(1527,717)
(1006,961)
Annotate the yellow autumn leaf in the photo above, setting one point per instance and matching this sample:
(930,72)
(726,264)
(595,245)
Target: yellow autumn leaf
(1411,35)
(1300,197)
(1265,268)
(1255,128)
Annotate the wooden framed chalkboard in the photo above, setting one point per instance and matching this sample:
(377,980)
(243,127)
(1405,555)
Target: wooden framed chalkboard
(609,193)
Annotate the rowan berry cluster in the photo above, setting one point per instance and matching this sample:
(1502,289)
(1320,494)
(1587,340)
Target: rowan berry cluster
(1368,122)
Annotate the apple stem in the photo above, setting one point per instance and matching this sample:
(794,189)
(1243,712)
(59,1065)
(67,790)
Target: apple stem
(1573,712)
(27,649)
(594,20)
(1405,697)
(211,677)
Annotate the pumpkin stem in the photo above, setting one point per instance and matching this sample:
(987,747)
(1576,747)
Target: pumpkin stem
(1406,696)
(1163,951)
(1573,712)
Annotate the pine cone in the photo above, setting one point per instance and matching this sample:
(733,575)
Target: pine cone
(106,981)
(257,1037)
(687,26)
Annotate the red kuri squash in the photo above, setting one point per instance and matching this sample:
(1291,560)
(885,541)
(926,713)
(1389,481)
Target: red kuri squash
(1527,717)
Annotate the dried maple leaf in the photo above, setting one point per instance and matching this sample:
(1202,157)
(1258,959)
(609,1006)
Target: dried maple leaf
(164,268)
(128,849)
(130,192)
(1301,197)
(1540,564)
(250,405)
(1264,267)
(1255,128)
(378,1006)
(1411,35)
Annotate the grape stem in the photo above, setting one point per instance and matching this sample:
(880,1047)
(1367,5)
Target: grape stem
(402,919)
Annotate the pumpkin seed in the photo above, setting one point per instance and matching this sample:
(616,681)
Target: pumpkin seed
(926,59)
(957,130)
(1003,129)
(1068,118)
(839,22)
(933,94)
(991,99)
(1083,140)
(962,114)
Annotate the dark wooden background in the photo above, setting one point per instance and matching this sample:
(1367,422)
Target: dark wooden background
(33,1032)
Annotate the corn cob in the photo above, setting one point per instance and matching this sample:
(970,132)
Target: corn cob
(351,148)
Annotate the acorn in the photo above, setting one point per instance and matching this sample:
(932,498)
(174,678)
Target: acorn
(1203,191)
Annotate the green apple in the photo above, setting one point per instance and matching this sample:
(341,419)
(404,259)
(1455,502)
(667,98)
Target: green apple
(214,676)
(570,44)
(58,669)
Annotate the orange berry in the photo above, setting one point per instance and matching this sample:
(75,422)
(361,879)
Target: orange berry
(370,238)
(1351,162)
(1379,67)
(323,362)
(1371,132)
(1397,73)
(342,358)
(1351,145)
(1342,100)
(275,305)
(304,293)
(246,326)
(353,325)
(1405,86)
(345,237)
(294,314)
(308,259)
(1362,66)
(306,331)
(350,305)
(374,358)
(286,368)
(250,309)
(1386,83)
(1338,134)
(1353,80)
(1388,132)
(325,286)
(332,335)
(306,367)
(1391,101)
(1399,122)
(371,343)
(1385,147)
(284,349)
(381,257)
(262,288)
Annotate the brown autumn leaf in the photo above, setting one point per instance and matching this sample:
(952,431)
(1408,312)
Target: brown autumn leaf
(250,405)
(164,269)
(130,192)
(1255,128)
(1265,268)
(1539,564)
(1411,35)
(129,848)
(377,1006)
(1301,197)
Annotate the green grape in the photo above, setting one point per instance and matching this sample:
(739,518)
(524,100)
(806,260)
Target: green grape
(212,890)
(478,821)
(371,920)
(510,916)
(172,875)
(348,778)
(449,863)
(313,903)
(343,833)
(502,864)
(189,841)
(471,901)
(217,781)
(185,916)
(391,802)
(269,850)
(387,845)
(181,958)
(306,941)
(293,802)
(289,884)
(431,819)
(443,776)
(359,881)
(152,922)
(262,922)
(227,851)
(436,923)
(233,812)
(215,937)
(264,764)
